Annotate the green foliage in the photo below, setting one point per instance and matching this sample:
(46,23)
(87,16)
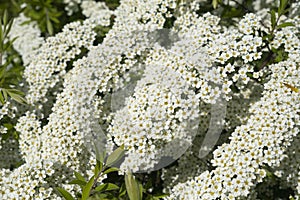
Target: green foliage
(115,156)
(281,10)
(45,13)
(65,194)
(215,3)
(133,187)
(127,188)
(5,26)
(8,74)
(91,188)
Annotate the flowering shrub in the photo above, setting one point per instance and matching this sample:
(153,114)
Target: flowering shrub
(160,99)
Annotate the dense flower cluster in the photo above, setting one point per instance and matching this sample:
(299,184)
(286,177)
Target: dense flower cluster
(51,61)
(262,141)
(152,126)
(158,92)
(26,43)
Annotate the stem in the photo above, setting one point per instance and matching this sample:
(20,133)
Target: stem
(96,179)
(274,28)
(267,60)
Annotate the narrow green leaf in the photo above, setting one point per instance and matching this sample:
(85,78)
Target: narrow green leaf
(9,44)
(16,95)
(115,156)
(5,18)
(161,195)
(282,6)
(215,4)
(285,24)
(8,126)
(132,187)
(141,189)
(122,190)
(15,91)
(49,27)
(79,176)
(1,35)
(100,155)
(112,169)
(148,184)
(273,19)
(98,168)
(10,23)
(54,19)
(87,189)
(2,98)
(106,187)
(65,194)
(101,196)
(78,182)
(4,92)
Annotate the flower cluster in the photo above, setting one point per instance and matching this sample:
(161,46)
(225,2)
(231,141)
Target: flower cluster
(72,6)
(153,126)
(197,78)
(262,141)
(51,60)
(97,11)
(26,43)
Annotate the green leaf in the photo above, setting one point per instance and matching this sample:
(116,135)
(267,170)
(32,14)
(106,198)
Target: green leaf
(160,195)
(132,187)
(141,189)
(115,156)
(282,6)
(8,126)
(16,95)
(215,4)
(5,18)
(106,187)
(273,19)
(1,36)
(122,190)
(65,194)
(10,23)
(78,182)
(79,176)
(54,19)
(2,100)
(87,189)
(16,135)
(4,92)
(98,168)
(285,24)
(49,27)
(101,196)
(100,155)
(112,169)
(9,44)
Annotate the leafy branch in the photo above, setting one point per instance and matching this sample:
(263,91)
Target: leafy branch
(275,54)
(7,74)
(282,9)
(91,187)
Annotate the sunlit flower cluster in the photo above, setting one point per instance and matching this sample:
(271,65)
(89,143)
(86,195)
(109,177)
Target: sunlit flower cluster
(261,142)
(160,116)
(158,91)
(27,42)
